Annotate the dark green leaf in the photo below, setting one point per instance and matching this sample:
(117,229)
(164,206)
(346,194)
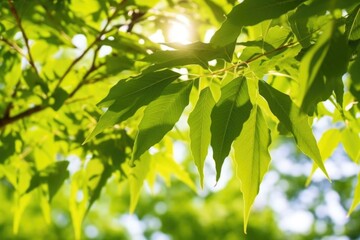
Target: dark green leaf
(127,97)
(7,146)
(353,25)
(54,175)
(217,10)
(59,97)
(248,13)
(322,68)
(95,192)
(227,119)
(294,120)
(161,115)
(138,86)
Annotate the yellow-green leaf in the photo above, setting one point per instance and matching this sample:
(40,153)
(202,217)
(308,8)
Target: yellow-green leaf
(351,143)
(199,122)
(356,199)
(327,145)
(252,157)
(77,201)
(137,177)
(165,166)
(294,120)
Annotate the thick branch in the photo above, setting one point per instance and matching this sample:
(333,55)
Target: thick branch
(8,120)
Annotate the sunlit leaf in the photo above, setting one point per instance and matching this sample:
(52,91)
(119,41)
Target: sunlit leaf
(165,166)
(227,119)
(21,203)
(327,145)
(356,199)
(196,53)
(240,17)
(351,142)
(321,69)
(294,120)
(54,175)
(161,115)
(98,174)
(78,201)
(127,97)
(199,122)
(353,24)
(137,176)
(252,157)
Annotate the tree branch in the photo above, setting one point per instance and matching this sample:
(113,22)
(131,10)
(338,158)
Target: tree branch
(7,119)
(97,39)
(26,39)
(15,47)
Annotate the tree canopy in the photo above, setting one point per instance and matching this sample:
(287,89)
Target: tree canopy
(100,92)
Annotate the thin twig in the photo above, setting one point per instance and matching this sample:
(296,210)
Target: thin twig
(5,120)
(26,39)
(92,68)
(15,47)
(97,39)
(250,60)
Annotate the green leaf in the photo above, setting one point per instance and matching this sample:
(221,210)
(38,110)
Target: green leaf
(199,122)
(351,143)
(59,97)
(54,175)
(310,68)
(126,97)
(161,115)
(298,22)
(294,120)
(240,17)
(322,67)
(327,145)
(97,179)
(356,199)
(7,145)
(227,119)
(216,9)
(195,53)
(137,176)
(138,86)
(353,25)
(21,203)
(77,205)
(355,78)
(165,166)
(252,157)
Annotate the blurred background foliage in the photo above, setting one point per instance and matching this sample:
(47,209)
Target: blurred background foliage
(58,59)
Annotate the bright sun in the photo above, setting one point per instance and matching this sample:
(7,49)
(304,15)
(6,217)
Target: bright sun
(179,31)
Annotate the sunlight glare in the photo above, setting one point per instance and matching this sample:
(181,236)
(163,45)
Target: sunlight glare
(179,31)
